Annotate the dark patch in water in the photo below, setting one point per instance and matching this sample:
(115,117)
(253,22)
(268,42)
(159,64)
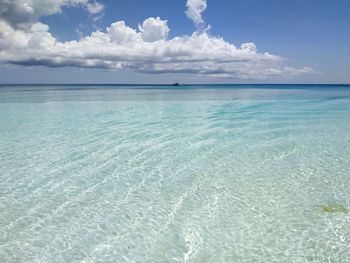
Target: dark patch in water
(331,208)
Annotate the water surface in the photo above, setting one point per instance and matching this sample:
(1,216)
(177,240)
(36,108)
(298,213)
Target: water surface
(161,174)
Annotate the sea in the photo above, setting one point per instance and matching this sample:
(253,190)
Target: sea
(156,173)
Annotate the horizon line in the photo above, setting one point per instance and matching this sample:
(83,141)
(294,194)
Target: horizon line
(169,84)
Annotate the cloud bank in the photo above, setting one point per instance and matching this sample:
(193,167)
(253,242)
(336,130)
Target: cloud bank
(26,41)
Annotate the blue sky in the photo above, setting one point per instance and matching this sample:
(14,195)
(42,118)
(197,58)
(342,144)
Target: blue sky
(310,42)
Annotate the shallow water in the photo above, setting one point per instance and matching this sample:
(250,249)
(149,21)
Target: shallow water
(162,174)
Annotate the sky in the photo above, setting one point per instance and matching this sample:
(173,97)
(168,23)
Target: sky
(163,41)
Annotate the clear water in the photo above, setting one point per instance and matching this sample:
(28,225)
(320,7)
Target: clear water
(158,174)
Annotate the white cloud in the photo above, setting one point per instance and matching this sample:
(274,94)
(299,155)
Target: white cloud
(95,8)
(11,38)
(194,11)
(146,49)
(119,33)
(249,47)
(154,29)
(23,13)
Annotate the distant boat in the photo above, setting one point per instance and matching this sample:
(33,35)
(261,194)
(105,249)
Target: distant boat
(176,84)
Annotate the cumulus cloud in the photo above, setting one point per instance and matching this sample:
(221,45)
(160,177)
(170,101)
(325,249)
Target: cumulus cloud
(154,29)
(27,42)
(194,11)
(117,33)
(23,13)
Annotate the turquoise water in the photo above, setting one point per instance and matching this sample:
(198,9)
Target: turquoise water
(158,174)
